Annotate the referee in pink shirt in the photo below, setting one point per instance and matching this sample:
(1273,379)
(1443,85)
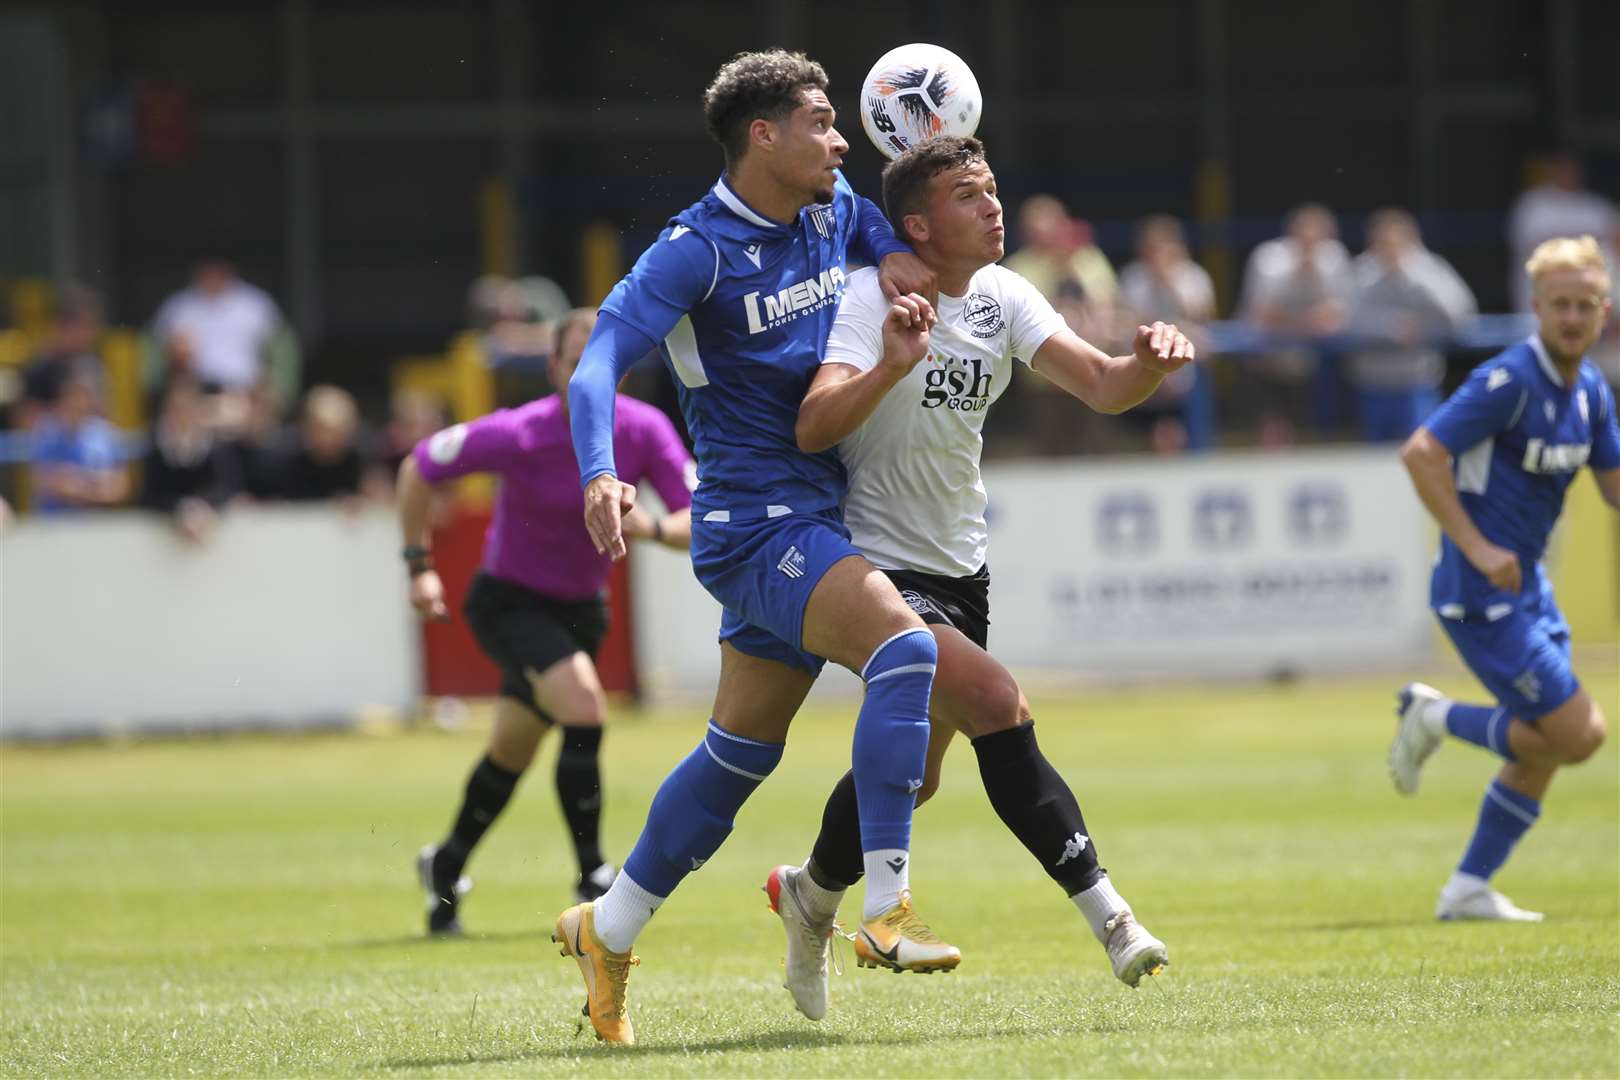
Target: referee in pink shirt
(536,605)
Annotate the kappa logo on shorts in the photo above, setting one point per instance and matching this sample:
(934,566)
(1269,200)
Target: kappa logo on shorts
(792,563)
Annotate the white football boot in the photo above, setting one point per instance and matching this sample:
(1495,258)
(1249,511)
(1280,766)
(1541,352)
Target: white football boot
(1415,736)
(1132,950)
(809,941)
(1483,902)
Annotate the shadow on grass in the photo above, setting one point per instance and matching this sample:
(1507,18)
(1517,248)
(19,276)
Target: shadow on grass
(497,937)
(1349,925)
(582,1045)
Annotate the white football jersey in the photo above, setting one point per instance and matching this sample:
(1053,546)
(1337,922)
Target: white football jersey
(916,498)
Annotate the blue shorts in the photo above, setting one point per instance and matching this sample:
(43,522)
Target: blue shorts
(1522,657)
(763,573)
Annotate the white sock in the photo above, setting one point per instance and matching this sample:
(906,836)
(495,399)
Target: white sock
(888,874)
(1434,713)
(818,903)
(1098,904)
(622,911)
(1462,884)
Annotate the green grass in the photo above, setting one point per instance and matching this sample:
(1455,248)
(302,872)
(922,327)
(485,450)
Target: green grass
(246,905)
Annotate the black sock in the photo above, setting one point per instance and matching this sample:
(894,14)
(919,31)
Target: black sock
(836,861)
(1034,802)
(488,790)
(579,788)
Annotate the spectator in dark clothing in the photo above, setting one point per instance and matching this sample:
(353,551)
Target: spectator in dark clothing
(330,461)
(188,471)
(70,345)
(263,446)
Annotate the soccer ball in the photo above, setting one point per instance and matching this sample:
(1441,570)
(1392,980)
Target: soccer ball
(916,92)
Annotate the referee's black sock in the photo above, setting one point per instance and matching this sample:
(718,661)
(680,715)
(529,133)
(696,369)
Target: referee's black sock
(1035,803)
(488,790)
(579,789)
(835,861)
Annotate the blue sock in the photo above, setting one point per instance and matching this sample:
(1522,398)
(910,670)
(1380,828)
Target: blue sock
(1481,725)
(891,737)
(692,814)
(1503,817)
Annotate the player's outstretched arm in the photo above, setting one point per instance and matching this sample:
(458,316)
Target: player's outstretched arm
(592,392)
(1112,384)
(1428,462)
(843,396)
(415,498)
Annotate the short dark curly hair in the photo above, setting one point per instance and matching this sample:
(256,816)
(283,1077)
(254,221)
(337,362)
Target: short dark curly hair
(905,179)
(753,86)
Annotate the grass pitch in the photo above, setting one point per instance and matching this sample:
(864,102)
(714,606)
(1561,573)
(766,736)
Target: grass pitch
(247,906)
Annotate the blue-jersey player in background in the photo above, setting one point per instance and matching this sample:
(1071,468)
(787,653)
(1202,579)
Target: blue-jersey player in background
(1492,465)
(739,294)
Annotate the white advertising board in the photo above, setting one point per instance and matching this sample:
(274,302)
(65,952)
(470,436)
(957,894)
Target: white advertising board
(286,616)
(1229,565)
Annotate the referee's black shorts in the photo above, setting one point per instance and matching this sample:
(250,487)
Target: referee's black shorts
(962,602)
(523,631)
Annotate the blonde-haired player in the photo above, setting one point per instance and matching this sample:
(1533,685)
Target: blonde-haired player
(1492,465)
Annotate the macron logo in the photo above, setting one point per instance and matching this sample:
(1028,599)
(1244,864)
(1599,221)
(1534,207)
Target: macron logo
(791,302)
(752,251)
(678,231)
(1498,378)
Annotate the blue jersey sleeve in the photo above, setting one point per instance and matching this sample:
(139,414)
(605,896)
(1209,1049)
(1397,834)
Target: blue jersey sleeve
(1605,432)
(872,238)
(613,349)
(671,278)
(1487,403)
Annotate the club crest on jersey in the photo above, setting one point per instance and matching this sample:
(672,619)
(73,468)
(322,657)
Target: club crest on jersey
(772,311)
(792,563)
(822,218)
(983,316)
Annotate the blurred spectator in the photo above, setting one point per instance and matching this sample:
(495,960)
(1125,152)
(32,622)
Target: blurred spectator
(1298,285)
(330,461)
(1558,204)
(1164,283)
(78,458)
(1058,255)
(188,471)
(516,316)
(262,446)
(226,333)
(412,417)
(1408,297)
(71,342)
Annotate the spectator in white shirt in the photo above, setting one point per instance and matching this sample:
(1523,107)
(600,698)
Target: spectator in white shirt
(219,329)
(1297,285)
(1165,284)
(1408,298)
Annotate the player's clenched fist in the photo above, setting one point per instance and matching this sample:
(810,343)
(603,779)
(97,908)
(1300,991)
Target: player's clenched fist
(905,332)
(1162,347)
(1500,567)
(607,500)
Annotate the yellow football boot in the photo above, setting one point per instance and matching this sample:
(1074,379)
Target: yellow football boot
(606,974)
(900,941)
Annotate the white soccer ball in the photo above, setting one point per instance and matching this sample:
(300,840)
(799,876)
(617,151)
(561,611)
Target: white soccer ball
(916,92)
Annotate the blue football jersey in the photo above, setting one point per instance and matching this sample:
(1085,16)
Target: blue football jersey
(742,306)
(1517,435)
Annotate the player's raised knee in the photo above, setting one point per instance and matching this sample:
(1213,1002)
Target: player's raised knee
(1588,739)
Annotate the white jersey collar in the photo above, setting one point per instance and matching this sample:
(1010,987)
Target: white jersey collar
(1547,366)
(734,203)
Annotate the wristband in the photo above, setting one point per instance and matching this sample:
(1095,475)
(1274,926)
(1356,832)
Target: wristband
(418,559)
